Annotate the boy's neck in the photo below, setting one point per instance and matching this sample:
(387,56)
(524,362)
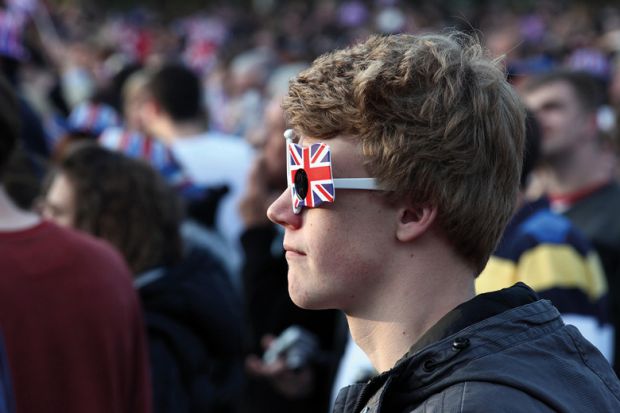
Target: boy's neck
(410,306)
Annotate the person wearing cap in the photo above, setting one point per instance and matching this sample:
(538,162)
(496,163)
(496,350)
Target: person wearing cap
(403,167)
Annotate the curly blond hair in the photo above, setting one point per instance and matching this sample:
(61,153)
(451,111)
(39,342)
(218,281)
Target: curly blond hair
(437,121)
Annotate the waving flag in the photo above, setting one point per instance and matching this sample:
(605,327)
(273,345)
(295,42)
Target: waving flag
(310,170)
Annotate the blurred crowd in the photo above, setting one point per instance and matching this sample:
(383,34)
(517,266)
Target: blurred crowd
(163,137)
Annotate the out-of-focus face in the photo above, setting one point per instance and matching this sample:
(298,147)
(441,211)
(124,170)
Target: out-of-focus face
(563,122)
(131,109)
(275,146)
(336,253)
(59,203)
(149,117)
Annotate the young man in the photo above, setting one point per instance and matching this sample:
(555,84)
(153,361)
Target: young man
(69,315)
(579,169)
(431,124)
(545,250)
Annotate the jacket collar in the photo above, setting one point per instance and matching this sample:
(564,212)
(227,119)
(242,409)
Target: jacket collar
(438,346)
(479,308)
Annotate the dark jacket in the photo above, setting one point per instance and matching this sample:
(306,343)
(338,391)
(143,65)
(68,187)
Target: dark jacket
(596,215)
(499,352)
(194,327)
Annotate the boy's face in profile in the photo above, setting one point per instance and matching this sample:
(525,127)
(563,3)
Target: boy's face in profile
(336,253)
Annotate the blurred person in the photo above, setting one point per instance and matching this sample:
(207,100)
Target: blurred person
(131,138)
(13,55)
(274,386)
(544,250)
(249,72)
(91,118)
(74,61)
(79,61)
(68,313)
(192,316)
(578,168)
(86,122)
(22,178)
(424,138)
(271,119)
(118,69)
(173,113)
(133,95)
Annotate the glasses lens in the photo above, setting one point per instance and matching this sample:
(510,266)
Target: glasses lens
(301,183)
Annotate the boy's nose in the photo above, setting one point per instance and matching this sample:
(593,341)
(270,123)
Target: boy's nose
(281,211)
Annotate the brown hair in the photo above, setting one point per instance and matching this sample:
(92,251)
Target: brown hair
(437,121)
(589,90)
(177,89)
(125,202)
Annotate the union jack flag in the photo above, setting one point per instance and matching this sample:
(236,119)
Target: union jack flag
(315,161)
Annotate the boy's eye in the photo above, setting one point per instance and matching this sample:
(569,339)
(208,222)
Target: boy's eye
(301,183)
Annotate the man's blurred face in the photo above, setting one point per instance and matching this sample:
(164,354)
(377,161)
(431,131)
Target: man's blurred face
(564,124)
(132,107)
(153,120)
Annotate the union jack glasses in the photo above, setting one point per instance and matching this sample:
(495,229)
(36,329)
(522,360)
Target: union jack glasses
(309,175)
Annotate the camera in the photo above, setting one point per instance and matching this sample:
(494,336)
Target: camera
(297,345)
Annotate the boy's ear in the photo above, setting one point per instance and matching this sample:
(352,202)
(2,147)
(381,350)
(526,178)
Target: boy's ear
(414,220)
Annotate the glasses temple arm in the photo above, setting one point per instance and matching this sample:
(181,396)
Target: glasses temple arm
(357,183)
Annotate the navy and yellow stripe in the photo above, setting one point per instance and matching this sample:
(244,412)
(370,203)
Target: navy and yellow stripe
(545,267)
(545,251)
